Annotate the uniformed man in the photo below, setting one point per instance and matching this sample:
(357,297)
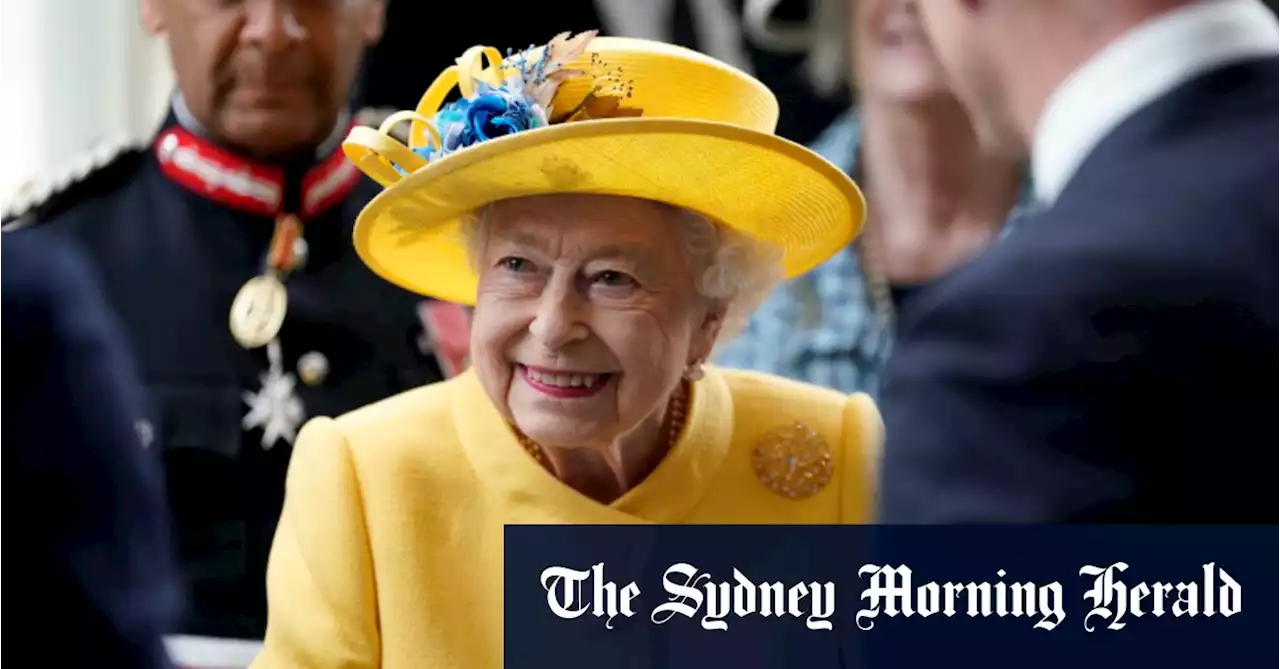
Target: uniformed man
(225,247)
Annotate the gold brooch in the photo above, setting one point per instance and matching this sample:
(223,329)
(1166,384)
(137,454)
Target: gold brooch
(793,461)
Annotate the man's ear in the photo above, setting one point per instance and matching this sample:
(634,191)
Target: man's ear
(373,22)
(151,15)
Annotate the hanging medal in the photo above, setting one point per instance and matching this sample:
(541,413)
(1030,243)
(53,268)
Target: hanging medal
(258,310)
(275,408)
(257,313)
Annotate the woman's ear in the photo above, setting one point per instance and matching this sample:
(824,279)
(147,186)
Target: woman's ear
(704,340)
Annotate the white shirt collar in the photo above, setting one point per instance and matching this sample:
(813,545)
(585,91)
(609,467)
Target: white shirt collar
(1133,71)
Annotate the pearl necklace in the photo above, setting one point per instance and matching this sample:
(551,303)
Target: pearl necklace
(677,413)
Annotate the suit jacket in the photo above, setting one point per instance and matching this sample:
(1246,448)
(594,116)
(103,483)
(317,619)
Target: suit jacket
(101,583)
(382,489)
(1112,360)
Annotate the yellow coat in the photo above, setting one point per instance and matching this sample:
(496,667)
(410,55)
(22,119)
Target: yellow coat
(389,551)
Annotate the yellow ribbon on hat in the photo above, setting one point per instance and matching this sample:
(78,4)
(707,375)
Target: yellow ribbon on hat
(378,154)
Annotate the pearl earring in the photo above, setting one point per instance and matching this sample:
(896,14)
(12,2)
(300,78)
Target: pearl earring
(694,372)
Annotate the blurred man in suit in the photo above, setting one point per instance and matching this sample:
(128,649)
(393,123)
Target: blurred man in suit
(99,585)
(1107,362)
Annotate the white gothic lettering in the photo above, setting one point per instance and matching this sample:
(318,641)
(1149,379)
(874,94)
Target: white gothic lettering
(1113,601)
(891,592)
(566,599)
(693,592)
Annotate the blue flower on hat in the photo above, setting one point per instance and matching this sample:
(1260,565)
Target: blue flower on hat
(494,111)
(495,115)
(523,100)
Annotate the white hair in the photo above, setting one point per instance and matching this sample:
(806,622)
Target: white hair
(737,272)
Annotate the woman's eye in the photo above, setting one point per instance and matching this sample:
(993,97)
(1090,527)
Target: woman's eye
(613,278)
(514,264)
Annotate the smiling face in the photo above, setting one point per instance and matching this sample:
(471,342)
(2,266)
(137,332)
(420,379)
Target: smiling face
(893,57)
(586,315)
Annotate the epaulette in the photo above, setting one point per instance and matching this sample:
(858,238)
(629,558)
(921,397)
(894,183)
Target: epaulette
(92,173)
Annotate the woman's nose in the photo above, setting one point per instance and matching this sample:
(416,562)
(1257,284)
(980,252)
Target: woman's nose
(558,321)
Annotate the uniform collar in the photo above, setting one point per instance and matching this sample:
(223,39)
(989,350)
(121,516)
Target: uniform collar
(531,494)
(1135,70)
(189,158)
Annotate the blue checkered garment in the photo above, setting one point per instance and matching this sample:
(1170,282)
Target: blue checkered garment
(823,327)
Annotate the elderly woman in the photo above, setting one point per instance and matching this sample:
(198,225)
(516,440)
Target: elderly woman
(613,208)
(937,198)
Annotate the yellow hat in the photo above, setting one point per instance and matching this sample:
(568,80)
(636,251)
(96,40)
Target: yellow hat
(600,115)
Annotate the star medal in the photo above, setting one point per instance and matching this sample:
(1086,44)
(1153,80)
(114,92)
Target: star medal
(275,408)
(258,310)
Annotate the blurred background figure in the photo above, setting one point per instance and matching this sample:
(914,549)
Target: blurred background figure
(935,198)
(224,244)
(99,583)
(782,37)
(713,27)
(1103,363)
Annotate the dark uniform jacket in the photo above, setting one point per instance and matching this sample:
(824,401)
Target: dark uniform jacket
(176,228)
(96,560)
